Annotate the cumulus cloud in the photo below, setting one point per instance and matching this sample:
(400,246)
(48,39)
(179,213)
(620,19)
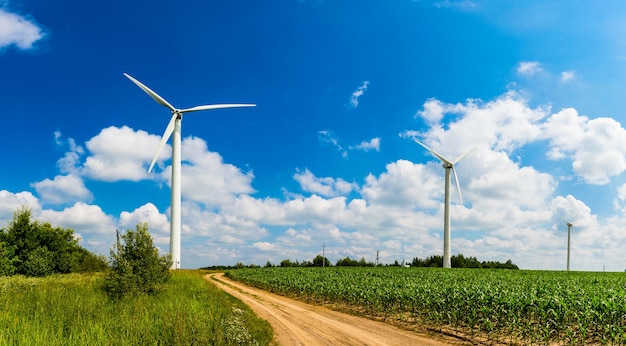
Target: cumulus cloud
(354,99)
(63,189)
(18,30)
(10,202)
(121,153)
(207,179)
(528,68)
(506,123)
(328,186)
(597,147)
(567,76)
(404,184)
(372,144)
(263,246)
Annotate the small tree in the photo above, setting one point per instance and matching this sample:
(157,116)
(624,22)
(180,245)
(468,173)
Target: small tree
(320,261)
(135,265)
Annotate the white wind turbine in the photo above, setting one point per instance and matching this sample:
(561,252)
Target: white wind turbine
(449,166)
(569,230)
(174,127)
(570,226)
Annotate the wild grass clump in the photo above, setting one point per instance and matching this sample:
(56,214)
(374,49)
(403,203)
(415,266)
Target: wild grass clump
(73,309)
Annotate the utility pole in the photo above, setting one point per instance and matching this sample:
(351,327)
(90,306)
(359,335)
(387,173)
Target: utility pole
(323,255)
(377,258)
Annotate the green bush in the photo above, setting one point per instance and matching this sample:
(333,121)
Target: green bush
(8,260)
(40,262)
(135,265)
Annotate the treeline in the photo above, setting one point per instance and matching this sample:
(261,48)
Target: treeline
(34,248)
(460,261)
(457,261)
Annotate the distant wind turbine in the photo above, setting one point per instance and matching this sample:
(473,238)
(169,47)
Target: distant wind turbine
(448,166)
(174,127)
(570,226)
(569,230)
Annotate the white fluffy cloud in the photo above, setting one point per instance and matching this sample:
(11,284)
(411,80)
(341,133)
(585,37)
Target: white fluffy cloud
(597,147)
(10,202)
(18,30)
(528,68)
(63,189)
(121,154)
(372,144)
(328,186)
(207,179)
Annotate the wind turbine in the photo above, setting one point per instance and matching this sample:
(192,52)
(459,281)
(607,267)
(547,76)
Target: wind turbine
(173,127)
(569,230)
(448,166)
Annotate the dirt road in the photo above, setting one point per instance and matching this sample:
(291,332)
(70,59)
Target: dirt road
(297,323)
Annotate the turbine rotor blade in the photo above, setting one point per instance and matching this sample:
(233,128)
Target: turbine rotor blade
(219,106)
(166,135)
(458,187)
(464,155)
(439,156)
(152,94)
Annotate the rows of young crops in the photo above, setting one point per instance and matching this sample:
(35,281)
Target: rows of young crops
(506,306)
(73,309)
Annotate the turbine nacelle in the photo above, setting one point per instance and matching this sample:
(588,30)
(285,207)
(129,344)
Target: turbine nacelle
(447,164)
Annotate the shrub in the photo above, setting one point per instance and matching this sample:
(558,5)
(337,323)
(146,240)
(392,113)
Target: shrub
(40,262)
(135,265)
(8,260)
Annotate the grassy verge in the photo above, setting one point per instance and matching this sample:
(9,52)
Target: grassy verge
(73,310)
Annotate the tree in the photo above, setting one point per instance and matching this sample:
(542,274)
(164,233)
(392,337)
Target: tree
(347,262)
(320,261)
(31,243)
(135,265)
(287,263)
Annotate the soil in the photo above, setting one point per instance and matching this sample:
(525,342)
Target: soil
(298,323)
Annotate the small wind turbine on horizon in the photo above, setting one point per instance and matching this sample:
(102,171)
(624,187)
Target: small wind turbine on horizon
(174,127)
(448,166)
(570,226)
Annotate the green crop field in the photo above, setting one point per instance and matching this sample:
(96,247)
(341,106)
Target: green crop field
(503,306)
(72,309)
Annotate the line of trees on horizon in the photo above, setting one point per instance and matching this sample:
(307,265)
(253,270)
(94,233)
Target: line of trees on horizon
(457,261)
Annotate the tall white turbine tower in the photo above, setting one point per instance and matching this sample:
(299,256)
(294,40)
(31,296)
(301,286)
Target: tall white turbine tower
(569,231)
(174,127)
(448,166)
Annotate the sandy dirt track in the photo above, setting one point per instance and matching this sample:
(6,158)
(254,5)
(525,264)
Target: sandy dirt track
(297,323)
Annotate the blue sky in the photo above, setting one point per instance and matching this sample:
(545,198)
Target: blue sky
(327,157)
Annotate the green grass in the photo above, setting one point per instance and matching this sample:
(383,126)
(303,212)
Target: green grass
(508,306)
(73,310)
